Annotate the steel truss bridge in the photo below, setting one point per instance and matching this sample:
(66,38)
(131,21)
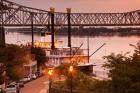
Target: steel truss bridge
(13,14)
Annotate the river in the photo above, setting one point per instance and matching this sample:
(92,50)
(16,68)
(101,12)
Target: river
(114,44)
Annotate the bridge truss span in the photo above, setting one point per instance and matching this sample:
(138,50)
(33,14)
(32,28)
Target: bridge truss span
(12,14)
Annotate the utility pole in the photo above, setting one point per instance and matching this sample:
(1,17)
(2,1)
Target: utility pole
(71,71)
(88,44)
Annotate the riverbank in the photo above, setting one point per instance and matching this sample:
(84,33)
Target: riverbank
(91,31)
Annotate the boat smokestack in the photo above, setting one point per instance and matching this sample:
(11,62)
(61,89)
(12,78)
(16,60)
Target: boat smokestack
(69,26)
(52,28)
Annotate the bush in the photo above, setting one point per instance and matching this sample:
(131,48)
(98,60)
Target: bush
(82,82)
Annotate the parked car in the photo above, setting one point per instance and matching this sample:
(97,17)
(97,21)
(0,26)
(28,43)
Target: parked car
(33,76)
(21,84)
(17,86)
(12,88)
(25,79)
(39,74)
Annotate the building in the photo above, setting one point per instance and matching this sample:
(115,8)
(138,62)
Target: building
(30,68)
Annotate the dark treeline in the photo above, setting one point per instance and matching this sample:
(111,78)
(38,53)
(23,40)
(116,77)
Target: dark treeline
(91,31)
(100,31)
(26,30)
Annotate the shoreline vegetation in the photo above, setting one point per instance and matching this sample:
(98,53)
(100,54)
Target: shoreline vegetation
(91,31)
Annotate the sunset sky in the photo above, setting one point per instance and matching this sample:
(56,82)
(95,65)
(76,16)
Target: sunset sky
(84,5)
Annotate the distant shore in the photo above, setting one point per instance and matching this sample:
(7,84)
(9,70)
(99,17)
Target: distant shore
(84,31)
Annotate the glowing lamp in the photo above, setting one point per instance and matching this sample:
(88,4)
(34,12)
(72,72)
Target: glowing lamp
(71,68)
(50,72)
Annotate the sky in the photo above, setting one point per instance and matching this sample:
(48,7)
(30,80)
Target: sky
(86,6)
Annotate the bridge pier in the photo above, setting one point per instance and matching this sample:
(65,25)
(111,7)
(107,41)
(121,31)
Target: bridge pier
(2,30)
(32,28)
(2,36)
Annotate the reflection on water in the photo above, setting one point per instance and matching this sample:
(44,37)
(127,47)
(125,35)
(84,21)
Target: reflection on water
(114,44)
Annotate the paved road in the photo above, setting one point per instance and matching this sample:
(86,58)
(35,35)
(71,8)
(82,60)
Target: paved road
(36,86)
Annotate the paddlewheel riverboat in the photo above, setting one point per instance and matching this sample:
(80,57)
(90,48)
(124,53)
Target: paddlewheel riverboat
(61,54)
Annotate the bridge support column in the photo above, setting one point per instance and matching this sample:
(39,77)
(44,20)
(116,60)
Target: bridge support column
(2,30)
(2,36)
(139,18)
(32,28)
(48,26)
(52,28)
(69,26)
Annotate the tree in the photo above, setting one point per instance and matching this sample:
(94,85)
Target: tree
(125,71)
(13,57)
(40,55)
(62,69)
(79,80)
(2,72)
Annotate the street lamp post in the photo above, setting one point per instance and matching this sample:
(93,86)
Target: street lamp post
(50,72)
(71,70)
